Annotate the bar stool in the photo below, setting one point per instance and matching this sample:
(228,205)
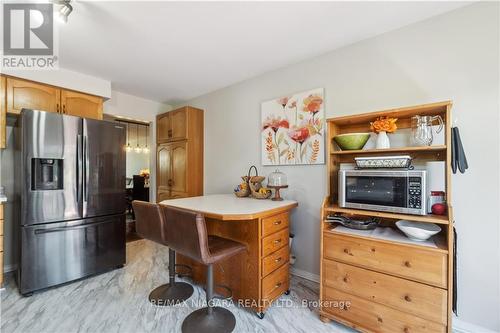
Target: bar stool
(187,233)
(150,224)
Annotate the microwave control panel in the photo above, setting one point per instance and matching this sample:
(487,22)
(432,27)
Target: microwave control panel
(415,192)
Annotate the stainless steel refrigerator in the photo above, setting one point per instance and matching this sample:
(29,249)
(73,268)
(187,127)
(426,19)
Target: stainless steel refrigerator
(71,185)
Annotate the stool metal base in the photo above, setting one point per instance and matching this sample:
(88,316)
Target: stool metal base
(171,294)
(221,320)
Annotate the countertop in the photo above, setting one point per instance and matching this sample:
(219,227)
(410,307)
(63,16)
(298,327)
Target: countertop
(230,207)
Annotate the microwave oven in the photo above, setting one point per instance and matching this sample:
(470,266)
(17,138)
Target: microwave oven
(397,191)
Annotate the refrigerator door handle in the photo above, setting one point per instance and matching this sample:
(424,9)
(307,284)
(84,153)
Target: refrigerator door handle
(61,229)
(86,169)
(79,167)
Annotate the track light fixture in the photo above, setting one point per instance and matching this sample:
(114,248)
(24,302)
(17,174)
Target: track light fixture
(64,10)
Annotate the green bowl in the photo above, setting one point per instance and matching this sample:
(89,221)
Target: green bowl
(351,141)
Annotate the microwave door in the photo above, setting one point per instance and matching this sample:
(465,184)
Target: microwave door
(49,167)
(388,191)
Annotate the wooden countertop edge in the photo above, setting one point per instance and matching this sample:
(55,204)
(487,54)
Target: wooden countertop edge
(243,217)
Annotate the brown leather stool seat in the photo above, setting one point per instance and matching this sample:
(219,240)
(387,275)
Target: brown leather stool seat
(186,231)
(150,224)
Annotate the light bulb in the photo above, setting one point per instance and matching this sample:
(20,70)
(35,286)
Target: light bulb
(138,149)
(128,148)
(145,150)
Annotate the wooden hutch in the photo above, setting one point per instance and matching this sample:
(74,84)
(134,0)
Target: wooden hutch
(390,286)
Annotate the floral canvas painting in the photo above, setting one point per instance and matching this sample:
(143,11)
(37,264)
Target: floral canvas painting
(292,129)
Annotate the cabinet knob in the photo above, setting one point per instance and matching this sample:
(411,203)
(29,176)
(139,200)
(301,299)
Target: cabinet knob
(277,285)
(407,264)
(64,108)
(345,279)
(170,182)
(407,298)
(406,330)
(346,251)
(277,222)
(277,241)
(57,108)
(278,259)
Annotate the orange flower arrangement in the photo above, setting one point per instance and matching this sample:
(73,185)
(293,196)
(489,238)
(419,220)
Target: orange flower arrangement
(384,124)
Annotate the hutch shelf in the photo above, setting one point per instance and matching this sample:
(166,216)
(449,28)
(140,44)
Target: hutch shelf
(390,286)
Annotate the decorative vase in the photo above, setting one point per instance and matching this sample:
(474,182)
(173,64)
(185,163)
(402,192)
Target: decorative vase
(383,141)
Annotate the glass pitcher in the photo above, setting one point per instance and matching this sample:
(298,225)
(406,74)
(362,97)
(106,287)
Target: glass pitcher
(421,129)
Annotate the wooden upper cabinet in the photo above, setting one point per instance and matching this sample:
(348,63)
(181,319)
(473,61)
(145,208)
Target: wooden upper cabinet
(178,124)
(173,125)
(30,95)
(81,105)
(179,167)
(162,128)
(25,94)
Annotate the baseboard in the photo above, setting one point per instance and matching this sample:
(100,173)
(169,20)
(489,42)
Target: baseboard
(304,274)
(459,326)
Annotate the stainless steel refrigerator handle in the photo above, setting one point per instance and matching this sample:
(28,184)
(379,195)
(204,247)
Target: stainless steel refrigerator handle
(78,167)
(86,169)
(60,229)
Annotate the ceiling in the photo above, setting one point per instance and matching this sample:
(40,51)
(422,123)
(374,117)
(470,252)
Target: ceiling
(174,51)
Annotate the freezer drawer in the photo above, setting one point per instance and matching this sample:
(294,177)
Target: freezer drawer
(57,253)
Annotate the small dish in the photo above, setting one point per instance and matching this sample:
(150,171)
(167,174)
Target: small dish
(418,231)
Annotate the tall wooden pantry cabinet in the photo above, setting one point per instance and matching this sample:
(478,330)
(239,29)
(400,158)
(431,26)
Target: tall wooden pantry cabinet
(179,160)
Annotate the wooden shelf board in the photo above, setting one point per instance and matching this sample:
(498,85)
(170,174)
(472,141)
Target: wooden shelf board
(430,218)
(436,148)
(438,240)
(406,112)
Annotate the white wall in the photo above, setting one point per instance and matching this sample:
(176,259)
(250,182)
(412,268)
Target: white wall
(138,108)
(453,56)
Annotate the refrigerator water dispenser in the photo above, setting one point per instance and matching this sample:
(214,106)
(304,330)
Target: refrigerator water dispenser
(46,174)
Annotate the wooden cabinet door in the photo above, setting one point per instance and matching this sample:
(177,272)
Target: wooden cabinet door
(29,95)
(163,128)
(179,167)
(163,170)
(3,139)
(178,125)
(81,105)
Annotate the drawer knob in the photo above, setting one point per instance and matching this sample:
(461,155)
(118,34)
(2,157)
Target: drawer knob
(345,279)
(346,251)
(406,330)
(407,298)
(278,285)
(277,260)
(277,241)
(277,222)
(407,264)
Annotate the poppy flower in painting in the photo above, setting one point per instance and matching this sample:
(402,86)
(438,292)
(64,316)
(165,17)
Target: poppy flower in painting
(283,101)
(299,134)
(275,123)
(312,103)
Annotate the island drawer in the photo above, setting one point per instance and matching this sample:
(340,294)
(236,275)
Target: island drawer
(274,223)
(420,299)
(369,316)
(275,283)
(419,264)
(275,260)
(274,242)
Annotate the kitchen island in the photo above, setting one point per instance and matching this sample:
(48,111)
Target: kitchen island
(259,275)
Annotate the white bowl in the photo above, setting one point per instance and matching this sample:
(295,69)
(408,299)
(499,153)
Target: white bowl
(418,231)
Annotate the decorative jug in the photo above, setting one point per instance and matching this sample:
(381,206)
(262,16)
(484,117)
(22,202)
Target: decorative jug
(421,129)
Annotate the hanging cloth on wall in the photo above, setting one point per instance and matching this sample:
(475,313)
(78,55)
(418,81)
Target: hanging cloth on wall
(458,158)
